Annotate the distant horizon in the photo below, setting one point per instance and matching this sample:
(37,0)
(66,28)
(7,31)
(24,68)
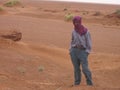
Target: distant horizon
(115,2)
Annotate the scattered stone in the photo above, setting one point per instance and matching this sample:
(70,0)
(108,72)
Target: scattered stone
(15,36)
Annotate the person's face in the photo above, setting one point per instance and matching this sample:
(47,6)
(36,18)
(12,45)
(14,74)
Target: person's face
(76,22)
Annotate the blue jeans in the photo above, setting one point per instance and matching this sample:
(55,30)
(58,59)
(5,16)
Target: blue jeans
(80,57)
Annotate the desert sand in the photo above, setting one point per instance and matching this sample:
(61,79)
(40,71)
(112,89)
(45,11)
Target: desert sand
(41,61)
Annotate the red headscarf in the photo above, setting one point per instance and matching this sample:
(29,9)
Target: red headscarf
(77,21)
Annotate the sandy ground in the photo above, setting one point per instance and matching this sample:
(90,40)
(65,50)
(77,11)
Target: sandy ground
(40,61)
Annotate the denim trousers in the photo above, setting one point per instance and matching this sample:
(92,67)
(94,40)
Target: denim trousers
(79,58)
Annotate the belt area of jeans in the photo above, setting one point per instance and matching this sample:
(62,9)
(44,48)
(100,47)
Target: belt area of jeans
(79,47)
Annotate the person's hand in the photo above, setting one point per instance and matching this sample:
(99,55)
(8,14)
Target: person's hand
(87,53)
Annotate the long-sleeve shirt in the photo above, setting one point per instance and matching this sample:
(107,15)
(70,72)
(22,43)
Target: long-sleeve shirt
(81,40)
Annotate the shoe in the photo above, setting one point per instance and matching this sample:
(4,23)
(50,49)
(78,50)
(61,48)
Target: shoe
(89,83)
(74,85)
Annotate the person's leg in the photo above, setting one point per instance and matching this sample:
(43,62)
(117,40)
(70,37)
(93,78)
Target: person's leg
(76,65)
(85,68)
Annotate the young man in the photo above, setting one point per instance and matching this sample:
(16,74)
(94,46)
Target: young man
(79,51)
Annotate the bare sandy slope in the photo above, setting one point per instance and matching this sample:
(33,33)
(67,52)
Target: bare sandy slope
(40,61)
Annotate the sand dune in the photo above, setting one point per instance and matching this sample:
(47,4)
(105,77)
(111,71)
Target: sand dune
(47,68)
(40,61)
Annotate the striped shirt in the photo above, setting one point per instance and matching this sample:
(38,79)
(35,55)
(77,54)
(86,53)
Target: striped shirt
(84,40)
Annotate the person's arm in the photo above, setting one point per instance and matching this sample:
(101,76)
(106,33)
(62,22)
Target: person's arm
(71,41)
(88,42)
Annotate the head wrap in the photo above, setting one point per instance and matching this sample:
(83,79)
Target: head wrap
(78,27)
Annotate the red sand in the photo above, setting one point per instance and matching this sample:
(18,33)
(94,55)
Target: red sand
(40,61)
